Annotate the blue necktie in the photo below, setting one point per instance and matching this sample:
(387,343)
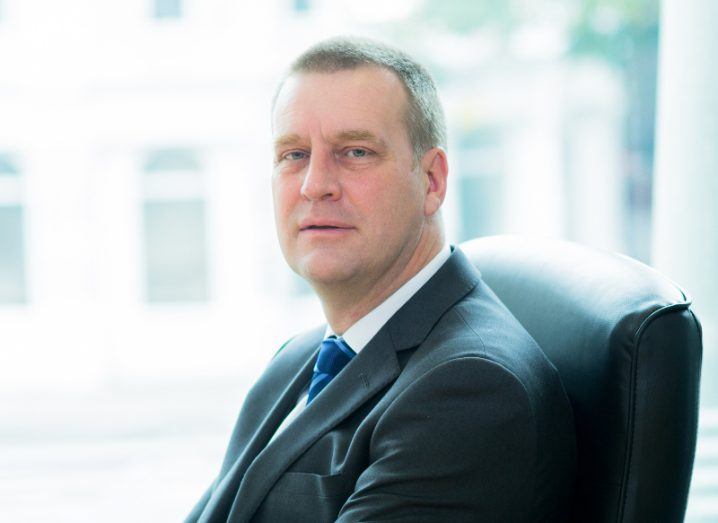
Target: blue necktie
(334,354)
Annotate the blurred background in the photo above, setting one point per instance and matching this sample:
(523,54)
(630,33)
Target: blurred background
(141,287)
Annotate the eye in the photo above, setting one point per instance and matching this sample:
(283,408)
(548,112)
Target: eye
(357,152)
(294,155)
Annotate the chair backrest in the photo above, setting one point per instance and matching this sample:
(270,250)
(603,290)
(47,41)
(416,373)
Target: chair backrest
(628,349)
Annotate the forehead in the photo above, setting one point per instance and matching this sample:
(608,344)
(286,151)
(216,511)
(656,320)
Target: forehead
(368,97)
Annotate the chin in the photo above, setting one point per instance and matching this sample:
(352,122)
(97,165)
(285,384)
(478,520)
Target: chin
(322,272)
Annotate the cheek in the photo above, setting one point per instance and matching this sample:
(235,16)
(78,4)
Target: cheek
(388,206)
(282,192)
(283,205)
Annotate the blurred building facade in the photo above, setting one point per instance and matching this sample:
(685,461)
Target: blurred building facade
(137,232)
(135,217)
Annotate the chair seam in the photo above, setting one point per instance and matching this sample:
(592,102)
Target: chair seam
(645,324)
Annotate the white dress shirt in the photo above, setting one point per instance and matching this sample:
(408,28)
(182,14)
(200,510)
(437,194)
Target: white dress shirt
(360,334)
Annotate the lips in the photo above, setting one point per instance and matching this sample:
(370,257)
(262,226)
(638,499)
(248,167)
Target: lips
(323,225)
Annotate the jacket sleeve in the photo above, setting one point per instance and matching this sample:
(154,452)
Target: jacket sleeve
(457,445)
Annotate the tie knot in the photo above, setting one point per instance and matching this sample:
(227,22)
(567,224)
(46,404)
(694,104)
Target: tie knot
(334,354)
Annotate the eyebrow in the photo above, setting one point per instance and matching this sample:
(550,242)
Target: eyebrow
(359,135)
(287,139)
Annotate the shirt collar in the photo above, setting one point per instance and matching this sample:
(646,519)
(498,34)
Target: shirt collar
(359,334)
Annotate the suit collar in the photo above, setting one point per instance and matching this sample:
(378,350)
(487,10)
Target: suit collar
(359,334)
(413,322)
(368,373)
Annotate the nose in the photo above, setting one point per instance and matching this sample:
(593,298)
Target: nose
(321,180)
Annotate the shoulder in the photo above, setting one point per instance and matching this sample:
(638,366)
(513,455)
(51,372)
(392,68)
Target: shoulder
(507,343)
(480,344)
(480,326)
(480,381)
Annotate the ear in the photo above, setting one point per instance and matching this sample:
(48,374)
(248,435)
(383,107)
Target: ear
(435,170)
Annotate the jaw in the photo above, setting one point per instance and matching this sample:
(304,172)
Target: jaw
(326,265)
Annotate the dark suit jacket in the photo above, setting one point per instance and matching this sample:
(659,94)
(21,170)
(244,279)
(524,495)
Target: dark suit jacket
(451,413)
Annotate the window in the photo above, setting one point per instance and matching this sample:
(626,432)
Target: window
(480,181)
(167,8)
(480,204)
(175,229)
(12,242)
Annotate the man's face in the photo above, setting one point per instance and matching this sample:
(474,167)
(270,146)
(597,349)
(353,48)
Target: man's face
(348,203)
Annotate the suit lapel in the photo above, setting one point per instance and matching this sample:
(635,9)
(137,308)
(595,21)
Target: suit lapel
(370,371)
(415,320)
(375,367)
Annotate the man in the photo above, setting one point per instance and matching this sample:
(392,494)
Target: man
(426,401)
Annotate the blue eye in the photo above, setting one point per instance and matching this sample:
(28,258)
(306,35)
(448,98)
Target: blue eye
(295,155)
(357,153)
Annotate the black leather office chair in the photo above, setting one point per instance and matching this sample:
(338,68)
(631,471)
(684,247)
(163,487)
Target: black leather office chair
(628,349)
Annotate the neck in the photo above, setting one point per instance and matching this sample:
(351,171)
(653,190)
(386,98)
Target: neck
(347,303)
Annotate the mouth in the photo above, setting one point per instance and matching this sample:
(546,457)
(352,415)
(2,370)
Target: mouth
(322,224)
(322,228)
